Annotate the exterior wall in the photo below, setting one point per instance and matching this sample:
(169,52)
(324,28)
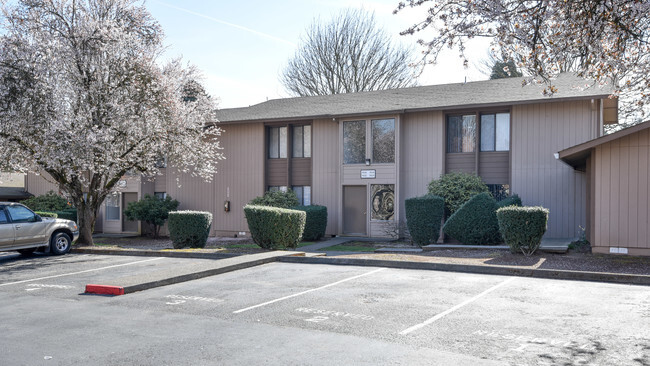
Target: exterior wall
(38,184)
(325,160)
(622,194)
(422,153)
(239,179)
(538,131)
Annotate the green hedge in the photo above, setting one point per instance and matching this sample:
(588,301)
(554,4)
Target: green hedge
(68,214)
(315,221)
(49,202)
(274,227)
(523,227)
(280,199)
(513,200)
(456,189)
(423,218)
(46,214)
(475,222)
(189,228)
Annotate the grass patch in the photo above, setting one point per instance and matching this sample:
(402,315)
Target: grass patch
(349,247)
(242,246)
(305,243)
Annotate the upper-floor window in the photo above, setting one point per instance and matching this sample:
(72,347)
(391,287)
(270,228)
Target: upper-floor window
(461,133)
(383,140)
(381,146)
(495,132)
(301,142)
(277,142)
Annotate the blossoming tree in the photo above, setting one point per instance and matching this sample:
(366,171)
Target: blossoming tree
(607,41)
(84,99)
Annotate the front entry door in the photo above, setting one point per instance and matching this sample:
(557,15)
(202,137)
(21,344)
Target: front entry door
(355,216)
(128,225)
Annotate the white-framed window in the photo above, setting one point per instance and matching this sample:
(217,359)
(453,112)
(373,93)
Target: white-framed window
(304,194)
(113,206)
(161,195)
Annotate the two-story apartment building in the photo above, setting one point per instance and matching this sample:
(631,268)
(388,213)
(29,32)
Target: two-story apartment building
(362,154)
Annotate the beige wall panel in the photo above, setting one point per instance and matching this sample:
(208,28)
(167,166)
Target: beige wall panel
(622,194)
(383,173)
(240,178)
(380,229)
(539,131)
(160,182)
(325,160)
(422,153)
(40,184)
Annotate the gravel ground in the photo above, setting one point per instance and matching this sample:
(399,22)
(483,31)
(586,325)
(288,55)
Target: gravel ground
(572,261)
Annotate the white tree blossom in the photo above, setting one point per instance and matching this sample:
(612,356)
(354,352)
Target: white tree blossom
(604,41)
(83,98)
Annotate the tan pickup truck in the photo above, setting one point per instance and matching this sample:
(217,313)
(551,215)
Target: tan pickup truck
(24,231)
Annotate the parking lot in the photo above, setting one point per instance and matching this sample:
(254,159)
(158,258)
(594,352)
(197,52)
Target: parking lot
(284,313)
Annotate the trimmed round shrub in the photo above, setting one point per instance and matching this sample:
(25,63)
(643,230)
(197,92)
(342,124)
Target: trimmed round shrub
(456,189)
(315,221)
(68,214)
(513,200)
(280,199)
(274,227)
(523,227)
(49,202)
(46,214)
(423,218)
(475,222)
(189,228)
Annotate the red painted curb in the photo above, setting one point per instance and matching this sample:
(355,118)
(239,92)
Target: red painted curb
(104,290)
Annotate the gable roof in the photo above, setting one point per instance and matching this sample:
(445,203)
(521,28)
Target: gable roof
(433,97)
(576,156)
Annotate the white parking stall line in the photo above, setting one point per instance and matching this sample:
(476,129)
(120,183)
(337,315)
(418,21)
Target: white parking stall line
(75,273)
(307,291)
(451,310)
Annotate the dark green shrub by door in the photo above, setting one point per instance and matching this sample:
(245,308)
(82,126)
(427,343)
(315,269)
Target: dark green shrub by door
(189,228)
(273,227)
(423,218)
(456,189)
(523,227)
(475,222)
(315,221)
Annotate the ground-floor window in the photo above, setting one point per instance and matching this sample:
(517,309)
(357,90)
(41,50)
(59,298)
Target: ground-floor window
(161,195)
(277,188)
(113,206)
(499,191)
(304,194)
(383,201)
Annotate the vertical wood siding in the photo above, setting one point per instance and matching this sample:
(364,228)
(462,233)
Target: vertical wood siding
(539,131)
(621,196)
(38,184)
(422,153)
(325,160)
(241,175)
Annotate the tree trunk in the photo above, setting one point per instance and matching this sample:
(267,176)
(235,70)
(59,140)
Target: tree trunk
(86,221)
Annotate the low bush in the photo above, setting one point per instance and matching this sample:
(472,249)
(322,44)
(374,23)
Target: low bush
(68,214)
(513,200)
(46,214)
(49,202)
(315,221)
(189,228)
(456,189)
(152,210)
(423,218)
(274,227)
(523,227)
(475,222)
(280,199)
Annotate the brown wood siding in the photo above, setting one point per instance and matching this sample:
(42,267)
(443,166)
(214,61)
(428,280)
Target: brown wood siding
(39,185)
(538,131)
(621,194)
(276,172)
(422,153)
(240,178)
(325,160)
(301,172)
(461,162)
(494,167)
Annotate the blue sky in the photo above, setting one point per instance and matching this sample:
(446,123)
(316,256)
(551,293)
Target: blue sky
(242,46)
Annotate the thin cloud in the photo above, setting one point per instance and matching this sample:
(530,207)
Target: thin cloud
(265,35)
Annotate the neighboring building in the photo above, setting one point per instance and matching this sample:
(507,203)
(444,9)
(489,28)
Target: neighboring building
(617,167)
(362,154)
(12,187)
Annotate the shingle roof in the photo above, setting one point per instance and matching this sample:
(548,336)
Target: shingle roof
(446,96)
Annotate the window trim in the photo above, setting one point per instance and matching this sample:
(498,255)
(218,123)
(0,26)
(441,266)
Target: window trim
(478,112)
(369,140)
